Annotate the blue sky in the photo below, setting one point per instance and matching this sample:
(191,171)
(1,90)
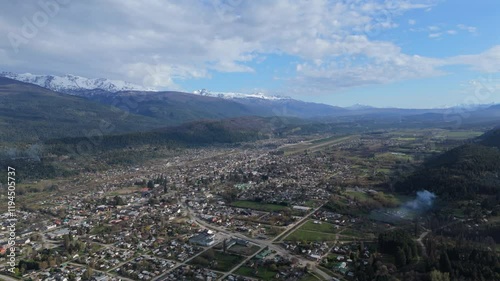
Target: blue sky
(400,53)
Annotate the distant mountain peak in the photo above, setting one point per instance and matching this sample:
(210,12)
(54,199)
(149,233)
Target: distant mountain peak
(359,107)
(70,83)
(233,95)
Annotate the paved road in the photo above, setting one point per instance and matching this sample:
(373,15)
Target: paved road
(265,243)
(290,228)
(262,243)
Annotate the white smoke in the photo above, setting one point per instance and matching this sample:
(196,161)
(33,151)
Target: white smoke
(423,201)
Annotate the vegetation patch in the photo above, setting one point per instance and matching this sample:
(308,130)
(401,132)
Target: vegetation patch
(262,273)
(267,207)
(310,236)
(217,260)
(319,226)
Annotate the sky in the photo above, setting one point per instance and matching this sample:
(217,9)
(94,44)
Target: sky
(397,53)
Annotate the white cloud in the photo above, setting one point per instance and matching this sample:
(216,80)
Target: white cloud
(487,61)
(470,29)
(111,38)
(438,31)
(386,64)
(163,42)
(412,22)
(433,28)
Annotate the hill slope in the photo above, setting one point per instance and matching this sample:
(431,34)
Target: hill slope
(464,172)
(178,107)
(197,133)
(31,113)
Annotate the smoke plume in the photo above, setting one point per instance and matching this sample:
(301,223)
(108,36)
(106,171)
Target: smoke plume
(423,201)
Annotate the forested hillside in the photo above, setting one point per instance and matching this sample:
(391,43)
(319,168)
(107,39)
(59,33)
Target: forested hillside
(463,172)
(30,113)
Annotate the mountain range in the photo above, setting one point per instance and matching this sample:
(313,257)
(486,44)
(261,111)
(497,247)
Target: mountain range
(232,95)
(46,106)
(30,113)
(72,84)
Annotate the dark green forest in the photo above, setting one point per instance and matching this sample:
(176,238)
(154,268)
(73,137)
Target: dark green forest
(461,173)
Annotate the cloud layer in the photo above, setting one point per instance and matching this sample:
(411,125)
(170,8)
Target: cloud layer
(159,44)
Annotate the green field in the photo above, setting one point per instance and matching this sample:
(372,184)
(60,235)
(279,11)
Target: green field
(223,261)
(263,273)
(310,231)
(323,227)
(358,195)
(310,236)
(459,135)
(355,233)
(258,206)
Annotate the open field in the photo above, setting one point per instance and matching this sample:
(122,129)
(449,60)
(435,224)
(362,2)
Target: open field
(460,135)
(319,227)
(262,273)
(310,236)
(258,206)
(381,198)
(317,144)
(217,260)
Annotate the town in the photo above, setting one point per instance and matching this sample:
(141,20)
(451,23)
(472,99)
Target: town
(278,209)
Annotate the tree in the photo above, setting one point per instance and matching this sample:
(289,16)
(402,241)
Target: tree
(210,254)
(400,258)
(444,262)
(118,200)
(408,253)
(439,276)
(151,184)
(87,275)
(273,267)
(43,265)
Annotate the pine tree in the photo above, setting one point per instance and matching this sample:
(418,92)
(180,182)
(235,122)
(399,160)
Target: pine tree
(400,258)
(444,262)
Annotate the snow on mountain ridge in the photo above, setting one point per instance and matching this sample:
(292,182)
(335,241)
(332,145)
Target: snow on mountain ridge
(77,85)
(72,82)
(232,95)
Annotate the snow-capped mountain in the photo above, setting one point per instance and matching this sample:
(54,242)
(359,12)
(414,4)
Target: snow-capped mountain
(359,107)
(71,83)
(230,95)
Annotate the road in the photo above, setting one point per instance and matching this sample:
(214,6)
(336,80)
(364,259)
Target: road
(290,228)
(263,243)
(424,234)
(100,271)
(419,241)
